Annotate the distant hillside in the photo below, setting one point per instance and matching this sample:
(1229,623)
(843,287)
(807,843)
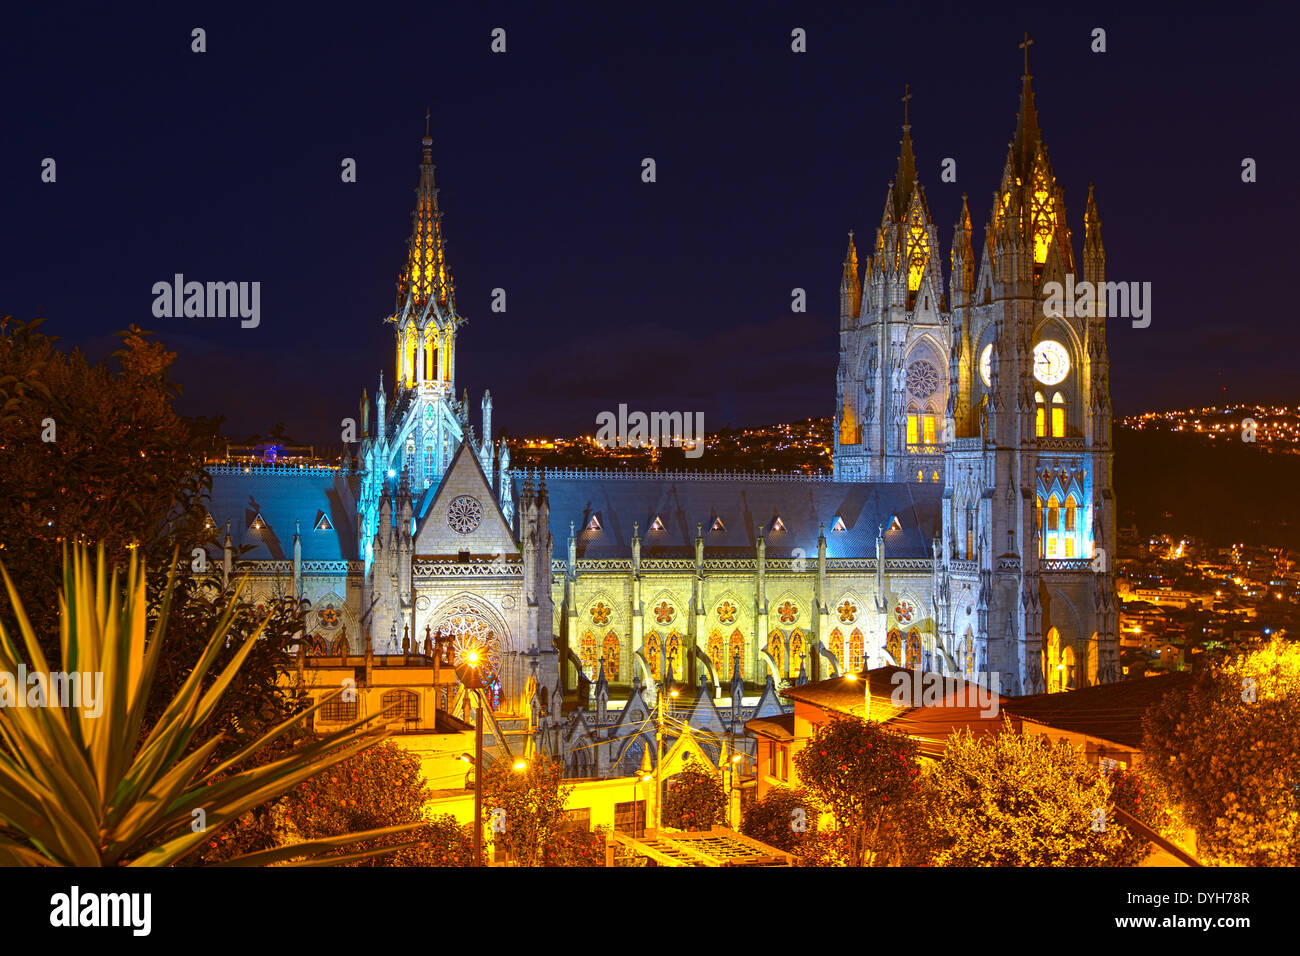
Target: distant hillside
(1225,492)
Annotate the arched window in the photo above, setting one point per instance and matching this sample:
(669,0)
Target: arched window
(400,705)
(1053,526)
(894,644)
(1040,415)
(652,653)
(611,651)
(587,651)
(715,654)
(796,653)
(835,644)
(737,654)
(409,358)
(338,710)
(673,655)
(1067,662)
(1058,416)
(776,647)
(970,653)
(970,533)
(913,427)
(1071,549)
(856,646)
(1052,665)
(431,357)
(914,649)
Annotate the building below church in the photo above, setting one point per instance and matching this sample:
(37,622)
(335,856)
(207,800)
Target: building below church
(964,531)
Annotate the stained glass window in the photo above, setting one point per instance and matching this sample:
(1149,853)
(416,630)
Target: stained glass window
(776,647)
(737,653)
(914,648)
(610,651)
(796,654)
(894,644)
(715,653)
(588,654)
(1058,415)
(856,646)
(652,653)
(674,655)
(835,644)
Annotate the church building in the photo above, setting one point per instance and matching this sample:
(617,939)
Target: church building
(965,529)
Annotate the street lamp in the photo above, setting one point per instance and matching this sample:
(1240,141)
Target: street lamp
(467,670)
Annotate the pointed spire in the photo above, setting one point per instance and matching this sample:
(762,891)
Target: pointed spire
(426,275)
(905,177)
(850,284)
(1091,223)
(1027,131)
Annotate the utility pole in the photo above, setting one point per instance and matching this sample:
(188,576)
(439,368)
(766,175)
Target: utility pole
(659,755)
(478,781)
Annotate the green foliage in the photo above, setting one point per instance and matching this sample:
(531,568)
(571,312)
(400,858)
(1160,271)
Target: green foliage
(376,788)
(1229,753)
(856,769)
(784,818)
(531,804)
(1142,795)
(78,785)
(577,848)
(694,799)
(1013,800)
(123,469)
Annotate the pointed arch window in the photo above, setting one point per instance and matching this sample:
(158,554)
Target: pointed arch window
(914,649)
(431,357)
(835,644)
(652,653)
(587,653)
(1053,522)
(673,655)
(776,647)
(409,358)
(894,644)
(856,647)
(611,652)
(1040,415)
(715,654)
(796,654)
(970,653)
(1058,415)
(737,654)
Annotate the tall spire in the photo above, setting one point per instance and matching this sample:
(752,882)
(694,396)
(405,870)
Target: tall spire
(426,277)
(1027,132)
(905,178)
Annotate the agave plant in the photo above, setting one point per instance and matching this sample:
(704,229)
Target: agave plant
(80,787)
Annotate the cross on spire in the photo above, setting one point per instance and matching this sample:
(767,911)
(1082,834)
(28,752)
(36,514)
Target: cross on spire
(1025,44)
(907,95)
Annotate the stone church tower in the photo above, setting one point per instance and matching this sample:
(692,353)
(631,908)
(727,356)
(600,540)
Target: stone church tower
(1018,427)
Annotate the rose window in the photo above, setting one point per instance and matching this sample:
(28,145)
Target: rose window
(464,514)
(903,611)
(664,612)
(788,613)
(922,379)
(727,612)
(600,614)
(848,612)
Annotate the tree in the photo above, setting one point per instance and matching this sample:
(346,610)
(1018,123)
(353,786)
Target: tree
(524,809)
(855,770)
(694,799)
(784,818)
(1143,796)
(1228,750)
(376,788)
(93,454)
(1015,800)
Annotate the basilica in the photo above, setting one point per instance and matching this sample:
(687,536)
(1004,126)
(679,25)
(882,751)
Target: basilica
(964,531)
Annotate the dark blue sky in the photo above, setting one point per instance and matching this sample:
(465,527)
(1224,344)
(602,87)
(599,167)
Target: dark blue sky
(225,166)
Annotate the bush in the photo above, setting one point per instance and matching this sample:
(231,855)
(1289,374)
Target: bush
(693,799)
(784,818)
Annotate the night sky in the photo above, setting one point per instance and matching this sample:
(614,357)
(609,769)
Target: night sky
(225,166)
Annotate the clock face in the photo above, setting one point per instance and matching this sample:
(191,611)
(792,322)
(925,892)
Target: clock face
(1051,362)
(986,365)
